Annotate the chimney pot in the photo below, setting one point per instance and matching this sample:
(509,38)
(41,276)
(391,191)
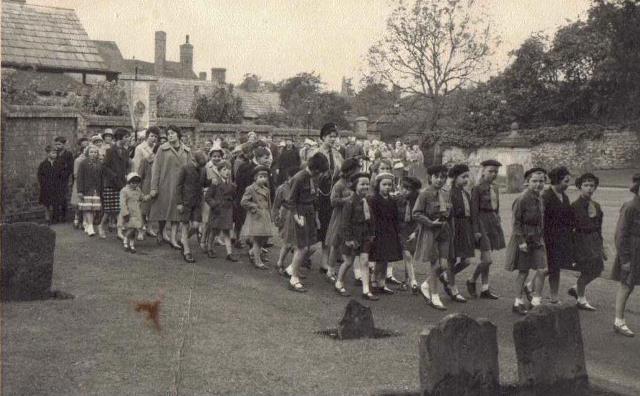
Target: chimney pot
(187,39)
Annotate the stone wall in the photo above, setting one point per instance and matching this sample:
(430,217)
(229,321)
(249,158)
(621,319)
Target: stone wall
(26,130)
(616,149)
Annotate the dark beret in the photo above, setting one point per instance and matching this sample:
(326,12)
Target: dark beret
(327,129)
(534,170)
(260,169)
(60,139)
(586,177)
(437,170)
(349,165)
(490,162)
(457,170)
(411,183)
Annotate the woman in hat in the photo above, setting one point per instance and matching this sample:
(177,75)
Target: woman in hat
(256,201)
(301,231)
(212,178)
(90,188)
(588,244)
(487,227)
(107,141)
(626,268)
(340,194)
(526,248)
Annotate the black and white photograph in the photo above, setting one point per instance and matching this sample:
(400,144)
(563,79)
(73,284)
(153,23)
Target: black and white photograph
(320,197)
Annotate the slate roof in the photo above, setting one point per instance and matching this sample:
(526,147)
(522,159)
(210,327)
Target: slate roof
(46,83)
(47,38)
(112,56)
(256,104)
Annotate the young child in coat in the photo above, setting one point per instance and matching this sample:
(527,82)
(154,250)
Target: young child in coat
(219,198)
(406,199)
(386,247)
(279,213)
(357,231)
(130,212)
(191,180)
(526,249)
(431,212)
(256,201)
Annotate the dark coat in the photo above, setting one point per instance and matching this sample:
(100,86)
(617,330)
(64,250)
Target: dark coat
(191,182)
(528,226)
(65,163)
(220,198)
(627,240)
(90,177)
(463,243)
(386,225)
(587,238)
(288,159)
(354,226)
(558,226)
(115,167)
(50,178)
(244,178)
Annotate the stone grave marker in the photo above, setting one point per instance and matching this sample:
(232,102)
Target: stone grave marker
(27,261)
(459,356)
(550,351)
(357,322)
(515,178)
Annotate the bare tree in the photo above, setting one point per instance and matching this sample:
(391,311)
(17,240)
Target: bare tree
(431,49)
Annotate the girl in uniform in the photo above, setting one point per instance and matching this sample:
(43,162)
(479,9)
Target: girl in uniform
(588,243)
(626,268)
(406,199)
(526,248)
(357,232)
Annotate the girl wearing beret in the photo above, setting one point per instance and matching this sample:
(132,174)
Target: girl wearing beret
(431,212)
(487,227)
(526,251)
(588,242)
(256,200)
(463,241)
(626,268)
(386,245)
(357,229)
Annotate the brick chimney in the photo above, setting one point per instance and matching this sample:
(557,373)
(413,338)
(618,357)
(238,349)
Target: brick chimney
(160,55)
(219,75)
(203,76)
(186,58)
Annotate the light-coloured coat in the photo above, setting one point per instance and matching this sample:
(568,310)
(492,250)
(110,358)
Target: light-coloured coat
(164,181)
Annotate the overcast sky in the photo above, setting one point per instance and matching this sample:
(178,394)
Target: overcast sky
(277,39)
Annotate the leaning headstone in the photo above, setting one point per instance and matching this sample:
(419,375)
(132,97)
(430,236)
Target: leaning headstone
(27,261)
(459,356)
(550,351)
(357,322)
(515,178)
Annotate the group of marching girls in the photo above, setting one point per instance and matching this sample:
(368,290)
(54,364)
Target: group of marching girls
(360,215)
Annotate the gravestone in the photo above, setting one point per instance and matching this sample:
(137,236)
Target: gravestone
(515,178)
(357,322)
(459,356)
(550,351)
(27,261)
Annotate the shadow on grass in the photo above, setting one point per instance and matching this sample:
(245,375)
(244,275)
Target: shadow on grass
(377,333)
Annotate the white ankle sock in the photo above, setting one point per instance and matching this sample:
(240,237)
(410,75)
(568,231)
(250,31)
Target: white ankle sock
(535,300)
(582,300)
(289,270)
(518,302)
(485,287)
(435,298)
(619,322)
(424,287)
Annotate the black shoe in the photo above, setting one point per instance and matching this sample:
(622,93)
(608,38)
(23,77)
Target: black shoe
(573,292)
(519,309)
(458,298)
(188,257)
(370,297)
(415,289)
(489,295)
(211,254)
(471,289)
(393,281)
(232,258)
(132,249)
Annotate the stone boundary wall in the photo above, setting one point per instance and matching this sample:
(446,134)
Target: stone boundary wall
(26,130)
(615,149)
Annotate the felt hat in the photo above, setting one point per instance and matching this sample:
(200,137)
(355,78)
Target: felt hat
(133,175)
(531,171)
(106,132)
